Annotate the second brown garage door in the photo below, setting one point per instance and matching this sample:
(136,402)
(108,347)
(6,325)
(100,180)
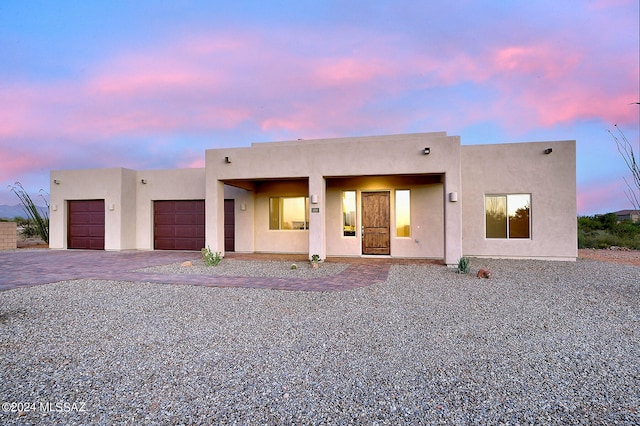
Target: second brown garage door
(178,225)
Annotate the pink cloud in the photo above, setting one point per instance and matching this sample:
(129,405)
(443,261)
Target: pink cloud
(194,163)
(351,71)
(17,107)
(543,85)
(14,163)
(212,81)
(546,62)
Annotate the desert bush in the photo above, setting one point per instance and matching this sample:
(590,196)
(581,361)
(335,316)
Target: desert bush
(604,231)
(38,221)
(210,258)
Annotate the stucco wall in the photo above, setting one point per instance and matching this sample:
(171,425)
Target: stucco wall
(114,186)
(172,184)
(128,202)
(522,168)
(321,160)
(427,215)
(325,168)
(282,241)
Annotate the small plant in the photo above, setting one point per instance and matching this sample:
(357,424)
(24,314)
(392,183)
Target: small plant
(210,258)
(314,260)
(463,265)
(294,266)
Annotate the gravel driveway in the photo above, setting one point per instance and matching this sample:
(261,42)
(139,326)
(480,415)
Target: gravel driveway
(539,343)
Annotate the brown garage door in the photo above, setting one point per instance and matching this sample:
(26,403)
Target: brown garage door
(86,224)
(178,225)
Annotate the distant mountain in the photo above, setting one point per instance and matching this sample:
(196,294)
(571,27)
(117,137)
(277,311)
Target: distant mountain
(9,212)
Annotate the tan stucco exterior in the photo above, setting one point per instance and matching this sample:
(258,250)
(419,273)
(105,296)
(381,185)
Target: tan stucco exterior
(379,163)
(128,201)
(447,188)
(522,168)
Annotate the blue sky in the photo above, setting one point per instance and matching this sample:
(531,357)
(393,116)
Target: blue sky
(152,84)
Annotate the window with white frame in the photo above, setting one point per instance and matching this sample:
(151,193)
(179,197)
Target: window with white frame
(289,213)
(508,216)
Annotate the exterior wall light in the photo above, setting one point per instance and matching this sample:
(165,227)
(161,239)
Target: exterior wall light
(548,150)
(143,181)
(56,181)
(427,151)
(227,160)
(453,197)
(314,198)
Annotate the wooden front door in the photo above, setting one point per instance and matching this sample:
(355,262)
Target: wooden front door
(375,223)
(229,225)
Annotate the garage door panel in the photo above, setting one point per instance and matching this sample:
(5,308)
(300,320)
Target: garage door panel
(164,219)
(185,233)
(179,225)
(185,219)
(162,231)
(96,232)
(86,224)
(187,206)
(79,230)
(93,220)
(96,245)
(184,245)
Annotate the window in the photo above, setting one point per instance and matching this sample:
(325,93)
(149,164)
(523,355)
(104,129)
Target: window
(403,213)
(349,213)
(508,216)
(289,213)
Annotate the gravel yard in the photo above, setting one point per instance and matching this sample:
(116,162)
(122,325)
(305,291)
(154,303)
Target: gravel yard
(538,343)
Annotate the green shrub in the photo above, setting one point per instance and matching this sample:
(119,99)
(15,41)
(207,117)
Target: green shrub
(464,265)
(210,258)
(603,231)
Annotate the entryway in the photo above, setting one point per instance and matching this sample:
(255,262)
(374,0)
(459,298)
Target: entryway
(376,221)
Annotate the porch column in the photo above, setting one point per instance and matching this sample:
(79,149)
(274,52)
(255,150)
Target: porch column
(214,216)
(317,214)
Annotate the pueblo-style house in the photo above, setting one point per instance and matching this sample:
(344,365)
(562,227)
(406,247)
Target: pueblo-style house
(403,196)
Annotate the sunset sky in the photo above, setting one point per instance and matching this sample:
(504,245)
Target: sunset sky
(153,84)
